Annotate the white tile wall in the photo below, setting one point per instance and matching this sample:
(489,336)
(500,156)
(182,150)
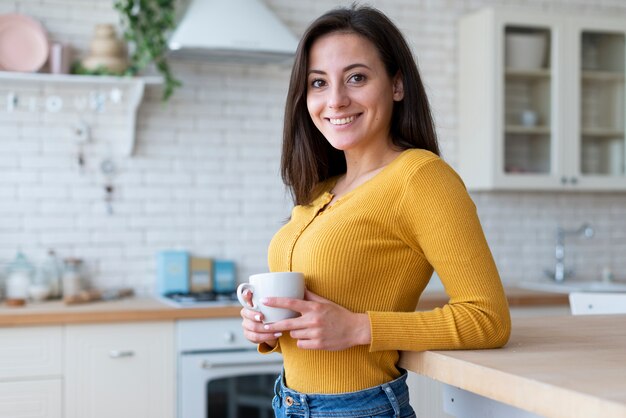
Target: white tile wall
(205,172)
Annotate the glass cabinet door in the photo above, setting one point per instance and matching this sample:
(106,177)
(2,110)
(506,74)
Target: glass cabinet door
(601,85)
(542,95)
(529,143)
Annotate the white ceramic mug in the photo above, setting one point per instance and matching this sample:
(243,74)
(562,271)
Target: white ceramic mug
(277,284)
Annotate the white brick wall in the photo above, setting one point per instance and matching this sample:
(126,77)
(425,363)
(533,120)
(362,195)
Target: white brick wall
(205,172)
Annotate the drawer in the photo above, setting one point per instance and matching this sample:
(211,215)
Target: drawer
(120,370)
(210,334)
(31,399)
(31,352)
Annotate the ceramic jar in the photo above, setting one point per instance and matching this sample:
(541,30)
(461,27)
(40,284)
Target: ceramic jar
(525,51)
(106,51)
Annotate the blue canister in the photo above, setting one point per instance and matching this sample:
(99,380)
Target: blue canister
(172,272)
(224,276)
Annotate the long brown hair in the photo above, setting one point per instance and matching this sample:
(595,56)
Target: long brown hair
(307,157)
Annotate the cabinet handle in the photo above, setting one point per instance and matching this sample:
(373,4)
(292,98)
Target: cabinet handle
(573,180)
(563,180)
(121,353)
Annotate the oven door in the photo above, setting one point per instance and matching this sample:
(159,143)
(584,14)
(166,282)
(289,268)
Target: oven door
(227,384)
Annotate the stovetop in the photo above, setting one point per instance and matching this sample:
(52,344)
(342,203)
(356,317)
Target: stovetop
(199,299)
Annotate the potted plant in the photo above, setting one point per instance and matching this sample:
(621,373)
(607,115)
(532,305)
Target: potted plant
(146,24)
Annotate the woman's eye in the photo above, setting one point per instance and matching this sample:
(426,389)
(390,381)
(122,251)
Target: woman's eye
(357,78)
(317,83)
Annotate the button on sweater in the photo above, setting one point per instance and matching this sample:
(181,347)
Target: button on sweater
(373,251)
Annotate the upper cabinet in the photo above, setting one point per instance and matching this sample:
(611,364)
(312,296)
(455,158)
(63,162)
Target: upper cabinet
(541,101)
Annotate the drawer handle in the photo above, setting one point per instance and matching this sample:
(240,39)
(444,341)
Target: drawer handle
(121,353)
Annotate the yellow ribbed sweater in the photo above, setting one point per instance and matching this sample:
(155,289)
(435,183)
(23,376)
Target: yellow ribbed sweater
(373,251)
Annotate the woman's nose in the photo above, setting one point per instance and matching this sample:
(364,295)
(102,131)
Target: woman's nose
(338,97)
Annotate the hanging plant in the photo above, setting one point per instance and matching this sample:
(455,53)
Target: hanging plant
(146,24)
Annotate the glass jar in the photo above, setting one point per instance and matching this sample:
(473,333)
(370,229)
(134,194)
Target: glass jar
(41,285)
(72,280)
(2,283)
(19,276)
(39,288)
(51,271)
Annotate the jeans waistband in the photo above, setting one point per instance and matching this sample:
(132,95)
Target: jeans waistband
(389,398)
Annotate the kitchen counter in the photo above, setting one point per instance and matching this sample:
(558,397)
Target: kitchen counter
(567,366)
(150,309)
(122,310)
(517,297)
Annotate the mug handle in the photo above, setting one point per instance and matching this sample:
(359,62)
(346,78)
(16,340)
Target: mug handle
(240,289)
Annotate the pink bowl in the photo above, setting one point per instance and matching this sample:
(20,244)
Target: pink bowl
(24,44)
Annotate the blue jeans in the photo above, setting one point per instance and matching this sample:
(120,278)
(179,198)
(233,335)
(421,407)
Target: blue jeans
(389,400)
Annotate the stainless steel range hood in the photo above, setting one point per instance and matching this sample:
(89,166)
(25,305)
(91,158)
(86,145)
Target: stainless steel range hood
(232,31)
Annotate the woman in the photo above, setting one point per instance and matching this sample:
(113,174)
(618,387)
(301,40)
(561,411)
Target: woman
(376,211)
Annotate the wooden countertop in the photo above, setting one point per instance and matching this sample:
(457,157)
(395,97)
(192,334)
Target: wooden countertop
(564,367)
(150,309)
(516,296)
(123,310)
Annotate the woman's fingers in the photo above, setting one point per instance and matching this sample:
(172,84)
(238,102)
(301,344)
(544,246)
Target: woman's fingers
(253,320)
(252,324)
(323,324)
(247,296)
(314,297)
(251,314)
(254,329)
(297,305)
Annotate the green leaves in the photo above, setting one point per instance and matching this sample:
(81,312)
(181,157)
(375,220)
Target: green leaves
(146,25)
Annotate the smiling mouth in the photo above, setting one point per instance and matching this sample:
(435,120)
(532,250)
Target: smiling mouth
(342,121)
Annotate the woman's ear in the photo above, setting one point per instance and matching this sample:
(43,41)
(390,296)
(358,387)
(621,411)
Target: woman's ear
(398,87)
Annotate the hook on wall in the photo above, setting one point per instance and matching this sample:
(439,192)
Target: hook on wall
(108,170)
(81,133)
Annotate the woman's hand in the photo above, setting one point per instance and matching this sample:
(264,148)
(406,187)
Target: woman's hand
(323,325)
(252,325)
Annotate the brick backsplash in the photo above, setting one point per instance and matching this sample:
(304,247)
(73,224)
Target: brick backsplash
(205,173)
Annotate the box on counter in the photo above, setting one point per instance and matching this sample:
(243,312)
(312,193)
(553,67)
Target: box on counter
(172,272)
(201,275)
(180,272)
(224,276)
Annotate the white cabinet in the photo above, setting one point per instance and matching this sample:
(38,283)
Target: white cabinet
(31,372)
(121,370)
(541,101)
(31,399)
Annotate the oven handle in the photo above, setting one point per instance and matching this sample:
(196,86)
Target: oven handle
(211,365)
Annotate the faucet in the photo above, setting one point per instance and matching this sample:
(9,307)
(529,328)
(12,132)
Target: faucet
(560,273)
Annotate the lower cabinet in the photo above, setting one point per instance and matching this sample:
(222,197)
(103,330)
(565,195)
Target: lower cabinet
(120,370)
(40,398)
(31,370)
(88,371)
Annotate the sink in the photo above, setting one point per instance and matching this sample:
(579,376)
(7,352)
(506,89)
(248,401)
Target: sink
(573,286)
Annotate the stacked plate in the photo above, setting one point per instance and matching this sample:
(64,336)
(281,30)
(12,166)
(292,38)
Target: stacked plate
(24,44)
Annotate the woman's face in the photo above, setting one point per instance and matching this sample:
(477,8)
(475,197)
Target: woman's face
(349,93)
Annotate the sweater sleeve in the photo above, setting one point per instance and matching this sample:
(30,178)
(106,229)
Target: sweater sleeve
(437,217)
(265,348)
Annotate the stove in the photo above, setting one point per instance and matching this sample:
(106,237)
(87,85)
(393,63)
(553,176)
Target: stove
(199,299)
